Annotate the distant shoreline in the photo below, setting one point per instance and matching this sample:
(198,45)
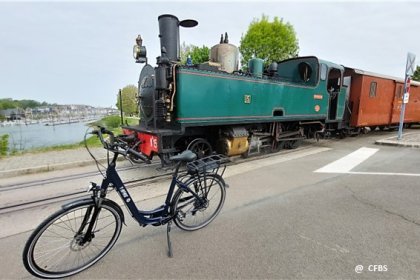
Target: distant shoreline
(71,134)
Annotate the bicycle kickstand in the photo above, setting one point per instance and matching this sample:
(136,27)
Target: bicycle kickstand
(168,237)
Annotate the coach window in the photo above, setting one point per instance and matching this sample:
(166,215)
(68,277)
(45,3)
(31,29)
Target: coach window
(399,91)
(372,92)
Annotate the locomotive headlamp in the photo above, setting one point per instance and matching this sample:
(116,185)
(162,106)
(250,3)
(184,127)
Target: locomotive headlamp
(139,51)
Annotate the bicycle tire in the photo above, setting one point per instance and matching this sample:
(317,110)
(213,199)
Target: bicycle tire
(54,251)
(192,215)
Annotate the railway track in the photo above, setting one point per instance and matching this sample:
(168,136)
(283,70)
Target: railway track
(60,197)
(34,183)
(74,195)
(11,187)
(20,190)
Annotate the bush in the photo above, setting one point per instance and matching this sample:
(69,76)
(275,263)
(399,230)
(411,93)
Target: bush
(4,144)
(110,122)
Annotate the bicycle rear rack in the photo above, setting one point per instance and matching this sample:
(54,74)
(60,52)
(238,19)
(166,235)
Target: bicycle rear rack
(210,164)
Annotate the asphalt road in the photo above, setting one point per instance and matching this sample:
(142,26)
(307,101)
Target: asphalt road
(281,219)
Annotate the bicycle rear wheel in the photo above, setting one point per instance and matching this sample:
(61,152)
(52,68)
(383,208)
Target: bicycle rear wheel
(191,214)
(59,246)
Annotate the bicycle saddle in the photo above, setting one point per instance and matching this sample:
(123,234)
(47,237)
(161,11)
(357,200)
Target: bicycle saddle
(185,156)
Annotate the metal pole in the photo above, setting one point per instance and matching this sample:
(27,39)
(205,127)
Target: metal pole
(121,107)
(409,70)
(400,127)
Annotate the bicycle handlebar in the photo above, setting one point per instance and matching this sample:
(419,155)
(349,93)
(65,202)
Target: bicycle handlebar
(118,144)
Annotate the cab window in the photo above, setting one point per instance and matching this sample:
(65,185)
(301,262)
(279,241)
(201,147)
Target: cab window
(324,70)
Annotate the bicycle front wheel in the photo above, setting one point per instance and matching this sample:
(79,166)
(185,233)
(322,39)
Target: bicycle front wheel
(193,213)
(61,246)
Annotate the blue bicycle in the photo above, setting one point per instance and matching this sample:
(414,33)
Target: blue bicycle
(84,231)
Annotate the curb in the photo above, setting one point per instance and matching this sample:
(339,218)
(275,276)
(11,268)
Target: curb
(46,168)
(409,140)
(396,143)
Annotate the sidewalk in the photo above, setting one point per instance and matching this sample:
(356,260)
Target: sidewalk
(47,161)
(410,139)
(58,160)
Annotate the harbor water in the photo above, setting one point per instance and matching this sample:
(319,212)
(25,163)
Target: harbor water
(23,137)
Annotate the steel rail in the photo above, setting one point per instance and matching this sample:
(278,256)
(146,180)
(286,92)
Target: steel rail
(40,202)
(34,183)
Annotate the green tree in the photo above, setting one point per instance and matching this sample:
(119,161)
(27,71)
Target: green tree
(198,55)
(269,40)
(416,75)
(4,144)
(8,103)
(25,103)
(129,100)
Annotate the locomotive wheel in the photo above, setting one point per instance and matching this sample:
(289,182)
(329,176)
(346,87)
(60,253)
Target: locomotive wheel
(278,146)
(342,134)
(201,147)
(292,144)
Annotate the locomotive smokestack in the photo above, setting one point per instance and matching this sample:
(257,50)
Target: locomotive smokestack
(169,34)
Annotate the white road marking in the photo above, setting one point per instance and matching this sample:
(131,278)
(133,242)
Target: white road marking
(385,174)
(259,163)
(347,163)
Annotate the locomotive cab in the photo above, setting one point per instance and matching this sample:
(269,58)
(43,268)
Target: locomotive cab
(333,88)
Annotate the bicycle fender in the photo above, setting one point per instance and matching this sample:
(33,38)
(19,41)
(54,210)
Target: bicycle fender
(116,207)
(76,202)
(90,199)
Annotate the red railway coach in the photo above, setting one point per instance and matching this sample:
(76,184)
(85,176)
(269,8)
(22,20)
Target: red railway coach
(375,100)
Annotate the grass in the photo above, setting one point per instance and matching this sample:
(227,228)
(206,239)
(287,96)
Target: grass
(109,122)
(112,123)
(49,149)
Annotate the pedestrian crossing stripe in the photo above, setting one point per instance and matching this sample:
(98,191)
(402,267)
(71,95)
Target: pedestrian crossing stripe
(345,164)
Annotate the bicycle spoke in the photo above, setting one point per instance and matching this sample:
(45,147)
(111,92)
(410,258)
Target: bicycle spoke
(58,261)
(52,251)
(105,226)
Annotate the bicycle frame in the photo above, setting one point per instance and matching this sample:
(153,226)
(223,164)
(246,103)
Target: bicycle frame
(158,216)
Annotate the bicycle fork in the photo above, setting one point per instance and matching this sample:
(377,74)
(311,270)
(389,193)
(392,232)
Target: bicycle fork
(89,220)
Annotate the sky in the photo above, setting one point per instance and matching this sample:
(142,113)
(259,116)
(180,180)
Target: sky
(81,52)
